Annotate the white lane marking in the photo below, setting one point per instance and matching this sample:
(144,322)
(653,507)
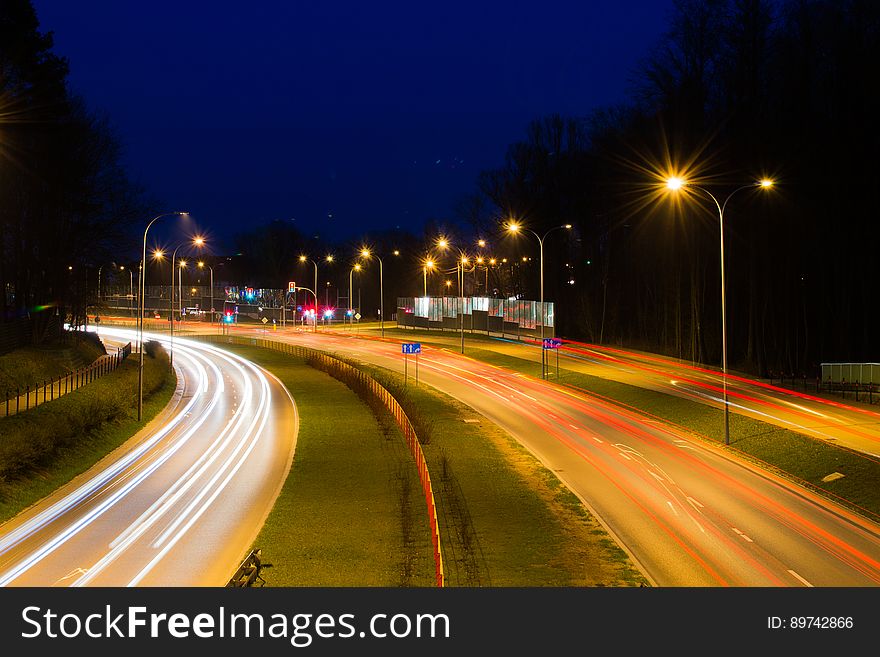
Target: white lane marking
(743,536)
(672,507)
(800,579)
(623,454)
(218,489)
(91,487)
(695,504)
(171,496)
(655,475)
(574,426)
(597,439)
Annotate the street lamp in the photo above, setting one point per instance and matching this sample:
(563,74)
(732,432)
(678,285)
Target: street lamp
(357,267)
(514,227)
(202,265)
(429,264)
(365,253)
(197,242)
(460,265)
(675,184)
(130,286)
(141,302)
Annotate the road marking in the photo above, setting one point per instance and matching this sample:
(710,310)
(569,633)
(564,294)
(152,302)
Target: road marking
(743,536)
(672,507)
(656,476)
(625,456)
(573,426)
(694,503)
(800,579)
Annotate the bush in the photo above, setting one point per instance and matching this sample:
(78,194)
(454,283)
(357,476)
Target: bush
(32,438)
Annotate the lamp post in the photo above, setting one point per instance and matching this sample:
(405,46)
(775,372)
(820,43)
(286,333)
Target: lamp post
(429,264)
(365,253)
(675,184)
(304,258)
(141,302)
(202,265)
(198,242)
(130,286)
(99,281)
(357,267)
(515,227)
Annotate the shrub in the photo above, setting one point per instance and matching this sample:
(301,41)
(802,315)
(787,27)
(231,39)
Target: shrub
(30,439)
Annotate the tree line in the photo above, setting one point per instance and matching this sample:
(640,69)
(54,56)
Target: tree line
(65,197)
(736,90)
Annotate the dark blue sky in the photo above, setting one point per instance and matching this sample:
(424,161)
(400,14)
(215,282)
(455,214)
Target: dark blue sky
(338,115)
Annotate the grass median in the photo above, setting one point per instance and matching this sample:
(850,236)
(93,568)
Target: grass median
(351,511)
(802,458)
(505,519)
(46,447)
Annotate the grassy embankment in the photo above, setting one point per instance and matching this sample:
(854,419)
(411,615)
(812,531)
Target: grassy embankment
(45,447)
(803,458)
(30,366)
(504,519)
(351,511)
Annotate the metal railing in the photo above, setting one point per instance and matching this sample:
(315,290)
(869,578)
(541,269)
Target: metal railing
(390,403)
(17,401)
(249,571)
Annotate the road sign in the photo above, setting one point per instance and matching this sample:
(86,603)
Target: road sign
(357,316)
(291,286)
(411,348)
(264,320)
(552,343)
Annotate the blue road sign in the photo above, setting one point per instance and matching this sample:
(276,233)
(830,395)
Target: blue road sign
(411,348)
(552,343)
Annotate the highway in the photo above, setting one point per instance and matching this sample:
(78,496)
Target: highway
(835,421)
(689,513)
(182,501)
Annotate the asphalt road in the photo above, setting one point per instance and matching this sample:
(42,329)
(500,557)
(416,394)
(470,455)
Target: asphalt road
(690,514)
(835,421)
(180,503)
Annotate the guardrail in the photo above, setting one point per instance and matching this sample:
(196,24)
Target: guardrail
(249,571)
(51,389)
(388,400)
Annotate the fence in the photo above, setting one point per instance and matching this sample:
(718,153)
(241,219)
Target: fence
(380,393)
(517,317)
(53,388)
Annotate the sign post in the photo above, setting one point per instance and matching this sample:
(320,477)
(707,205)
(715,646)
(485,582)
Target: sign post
(554,344)
(406,349)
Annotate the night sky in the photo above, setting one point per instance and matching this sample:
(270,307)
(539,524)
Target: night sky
(338,115)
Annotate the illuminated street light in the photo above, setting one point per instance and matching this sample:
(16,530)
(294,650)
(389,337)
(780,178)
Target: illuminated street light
(357,267)
(429,264)
(141,303)
(202,265)
(198,242)
(514,227)
(303,258)
(365,253)
(676,184)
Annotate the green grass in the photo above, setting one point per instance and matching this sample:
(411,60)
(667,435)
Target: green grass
(48,446)
(30,366)
(800,457)
(505,519)
(351,511)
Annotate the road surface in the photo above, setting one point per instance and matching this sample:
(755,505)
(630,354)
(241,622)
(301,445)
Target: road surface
(180,503)
(849,425)
(690,514)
